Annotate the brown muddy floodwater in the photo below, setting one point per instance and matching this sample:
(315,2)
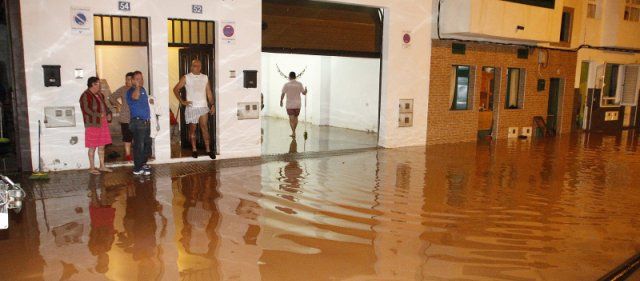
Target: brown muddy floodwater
(563,209)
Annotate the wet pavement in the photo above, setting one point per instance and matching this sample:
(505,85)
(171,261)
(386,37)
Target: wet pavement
(276,138)
(563,209)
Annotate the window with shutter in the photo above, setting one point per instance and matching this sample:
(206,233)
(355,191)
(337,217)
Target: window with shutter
(631,85)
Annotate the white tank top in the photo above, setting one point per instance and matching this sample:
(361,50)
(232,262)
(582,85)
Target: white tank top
(196,87)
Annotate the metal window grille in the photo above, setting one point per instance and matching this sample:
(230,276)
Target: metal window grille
(120,30)
(186,33)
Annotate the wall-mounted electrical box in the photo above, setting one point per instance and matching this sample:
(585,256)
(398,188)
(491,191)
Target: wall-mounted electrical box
(405,119)
(523,53)
(51,75)
(248,110)
(59,116)
(513,132)
(541,85)
(250,78)
(526,131)
(611,116)
(406,106)
(458,48)
(542,57)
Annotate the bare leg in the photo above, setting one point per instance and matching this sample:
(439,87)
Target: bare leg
(127,148)
(101,157)
(92,166)
(204,129)
(192,136)
(293,121)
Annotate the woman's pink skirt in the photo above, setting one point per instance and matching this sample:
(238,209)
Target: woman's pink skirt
(95,137)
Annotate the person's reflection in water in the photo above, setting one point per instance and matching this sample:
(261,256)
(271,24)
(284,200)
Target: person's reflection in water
(291,176)
(140,227)
(102,215)
(293,147)
(200,215)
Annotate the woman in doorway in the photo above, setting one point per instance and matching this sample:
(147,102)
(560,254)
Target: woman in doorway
(96,132)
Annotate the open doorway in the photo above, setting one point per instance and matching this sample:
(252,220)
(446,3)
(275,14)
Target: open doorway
(121,47)
(190,41)
(8,136)
(340,67)
(490,77)
(554,105)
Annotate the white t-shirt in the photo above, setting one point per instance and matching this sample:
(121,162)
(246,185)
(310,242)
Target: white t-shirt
(196,87)
(292,90)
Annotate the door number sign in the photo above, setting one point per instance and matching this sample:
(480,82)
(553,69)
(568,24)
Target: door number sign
(124,6)
(196,9)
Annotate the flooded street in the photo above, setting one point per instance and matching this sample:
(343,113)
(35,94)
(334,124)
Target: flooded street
(557,209)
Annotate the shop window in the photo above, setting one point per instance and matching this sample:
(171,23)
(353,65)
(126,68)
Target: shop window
(515,88)
(120,30)
(185,33)
(462,87)
(632,10)
(566,26)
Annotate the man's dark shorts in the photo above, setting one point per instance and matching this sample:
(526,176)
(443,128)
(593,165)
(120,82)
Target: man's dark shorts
(293,111)
(126,133)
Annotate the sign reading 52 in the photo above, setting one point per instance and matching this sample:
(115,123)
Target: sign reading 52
(196,9)
(124,6)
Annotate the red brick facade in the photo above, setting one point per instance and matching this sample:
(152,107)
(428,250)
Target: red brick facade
(447,126)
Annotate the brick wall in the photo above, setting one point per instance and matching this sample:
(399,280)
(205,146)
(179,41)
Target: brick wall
(447,126)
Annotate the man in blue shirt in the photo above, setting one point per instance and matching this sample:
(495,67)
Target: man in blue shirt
(138,101)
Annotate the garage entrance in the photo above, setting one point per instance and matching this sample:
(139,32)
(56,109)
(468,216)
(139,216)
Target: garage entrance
(335,51)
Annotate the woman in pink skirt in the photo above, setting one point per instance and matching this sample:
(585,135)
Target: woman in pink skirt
(94,114)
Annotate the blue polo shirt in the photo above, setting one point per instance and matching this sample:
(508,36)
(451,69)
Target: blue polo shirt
(139,108)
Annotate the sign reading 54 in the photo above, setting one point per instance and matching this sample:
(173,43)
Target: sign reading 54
(124,6)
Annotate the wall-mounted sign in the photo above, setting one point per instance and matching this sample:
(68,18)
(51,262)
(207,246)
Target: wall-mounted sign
(80,19)
(196,9)
(229,32)
(406,39)
(124,6)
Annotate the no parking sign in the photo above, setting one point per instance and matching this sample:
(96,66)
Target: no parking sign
(80,18)
(229,32)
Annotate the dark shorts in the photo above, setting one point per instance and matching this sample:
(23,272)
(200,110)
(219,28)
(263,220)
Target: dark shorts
(293,111)
(126,133)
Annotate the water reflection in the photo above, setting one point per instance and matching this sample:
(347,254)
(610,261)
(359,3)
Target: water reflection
(102,215)
(143,224)
(519,210)
(197,218)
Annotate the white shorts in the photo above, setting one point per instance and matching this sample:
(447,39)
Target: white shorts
(192,114)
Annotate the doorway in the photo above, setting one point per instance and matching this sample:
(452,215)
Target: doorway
(340,67)
(553,106)
(189,40)
(490,77)
(121,47)
(9,101)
